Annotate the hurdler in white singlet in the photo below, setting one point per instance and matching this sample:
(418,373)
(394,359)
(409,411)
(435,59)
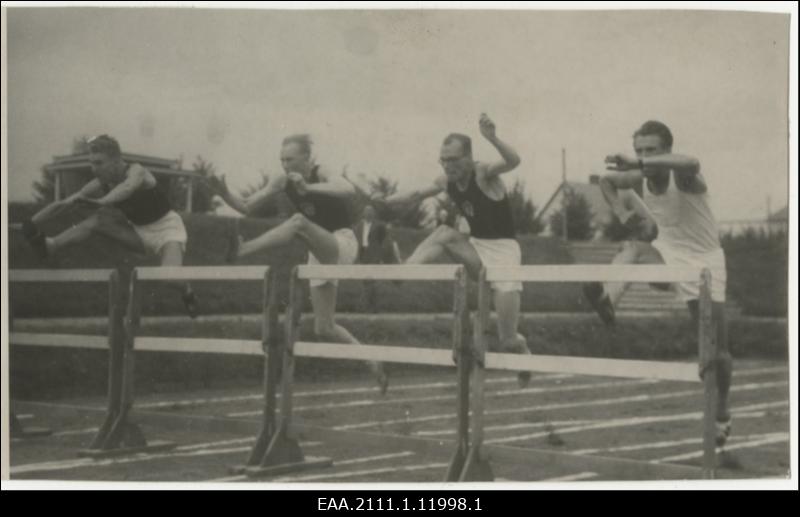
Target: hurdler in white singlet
(688,236)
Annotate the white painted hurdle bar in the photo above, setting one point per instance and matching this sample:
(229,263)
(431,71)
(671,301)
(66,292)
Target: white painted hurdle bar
(284,453)
(593,366)
(89,341)
(261,347)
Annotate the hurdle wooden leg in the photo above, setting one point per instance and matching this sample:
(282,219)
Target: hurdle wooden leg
(272,367)
(123,436)
(477,466)
(708,370)
(284,454)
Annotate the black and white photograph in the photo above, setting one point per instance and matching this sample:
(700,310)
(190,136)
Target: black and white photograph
(434,245)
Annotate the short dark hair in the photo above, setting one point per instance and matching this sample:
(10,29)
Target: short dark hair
(654,127)
(106,145)
(303,141)
(464,140)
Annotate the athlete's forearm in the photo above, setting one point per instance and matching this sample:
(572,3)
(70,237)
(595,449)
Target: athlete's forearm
(678,162)
(507,152)
(338,189)
(610,184)
(50,211)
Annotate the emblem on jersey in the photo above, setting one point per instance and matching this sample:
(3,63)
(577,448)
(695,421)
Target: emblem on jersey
(308,209)
(466,208)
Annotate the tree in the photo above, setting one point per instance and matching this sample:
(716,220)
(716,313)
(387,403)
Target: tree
(202,197)
(523,210)
(579,217)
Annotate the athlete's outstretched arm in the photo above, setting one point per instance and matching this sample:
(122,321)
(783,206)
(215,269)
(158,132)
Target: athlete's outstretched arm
(330,184)
(610,184)
(510,157)
(246,204)
(57,207)
(687,168)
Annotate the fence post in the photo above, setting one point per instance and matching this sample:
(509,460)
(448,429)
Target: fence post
(708,371)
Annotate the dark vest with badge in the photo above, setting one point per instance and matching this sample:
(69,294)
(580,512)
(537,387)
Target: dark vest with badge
(488,219)
(327,211)
(144,206)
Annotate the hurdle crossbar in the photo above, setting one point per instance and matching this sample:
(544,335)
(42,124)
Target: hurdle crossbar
(594,273)
(59,340)
(210,273)
(199,345)
(444,272)
(625,368)
(389,354)
(59,275)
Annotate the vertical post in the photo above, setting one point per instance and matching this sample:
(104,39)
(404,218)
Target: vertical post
(708,371)
(479,356)
(116,350)
(564,193)
(291,322)
(461,357)
(122,433)
(189,195)
(272,359)
(133,321)
(57,181)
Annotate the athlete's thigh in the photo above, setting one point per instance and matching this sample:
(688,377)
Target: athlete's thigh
(114,226)
(323,302)
(172,254)
(463,251)
(320,242)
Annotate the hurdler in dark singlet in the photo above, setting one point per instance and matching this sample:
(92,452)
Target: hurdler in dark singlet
(144,206)
(329,212)
(488,219)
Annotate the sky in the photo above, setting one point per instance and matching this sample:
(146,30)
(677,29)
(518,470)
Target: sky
(379,90)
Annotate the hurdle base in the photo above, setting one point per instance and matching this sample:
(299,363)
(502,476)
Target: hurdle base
(157,446)
(456,464)
(476,467)
(311,462)
(30,432)
(17,430)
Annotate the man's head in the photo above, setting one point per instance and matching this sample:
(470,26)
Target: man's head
(296,154)
(369,213)
(105,157)
(456,156)
(653,138)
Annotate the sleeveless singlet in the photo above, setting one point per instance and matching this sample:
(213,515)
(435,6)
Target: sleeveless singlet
(488,219)
(327,211)
(144,206)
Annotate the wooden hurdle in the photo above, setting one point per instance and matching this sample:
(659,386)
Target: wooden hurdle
(132,342)
(112,342)
(284,454)
(477,460)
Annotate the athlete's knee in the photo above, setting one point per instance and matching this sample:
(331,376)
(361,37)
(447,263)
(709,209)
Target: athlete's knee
(99,221)
(296,222)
